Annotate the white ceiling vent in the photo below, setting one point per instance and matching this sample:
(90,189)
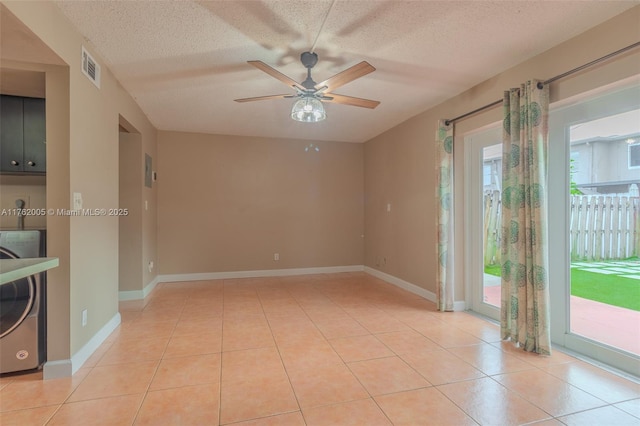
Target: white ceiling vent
(90,67)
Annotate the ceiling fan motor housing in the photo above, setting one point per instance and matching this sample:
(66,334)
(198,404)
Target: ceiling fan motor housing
(309,59)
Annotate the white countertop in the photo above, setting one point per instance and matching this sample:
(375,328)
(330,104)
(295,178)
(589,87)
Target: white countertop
(14,269)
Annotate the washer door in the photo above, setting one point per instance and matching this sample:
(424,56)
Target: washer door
(16,299)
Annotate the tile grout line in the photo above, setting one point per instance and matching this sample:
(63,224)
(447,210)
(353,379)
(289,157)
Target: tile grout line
(280,354)
(155,371)
(221,352)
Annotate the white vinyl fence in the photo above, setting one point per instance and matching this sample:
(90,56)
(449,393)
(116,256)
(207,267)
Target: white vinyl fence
(601,227)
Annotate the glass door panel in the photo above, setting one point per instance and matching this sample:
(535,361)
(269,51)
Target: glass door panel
(594,225)
(492,182)
(603,233)
(483,180)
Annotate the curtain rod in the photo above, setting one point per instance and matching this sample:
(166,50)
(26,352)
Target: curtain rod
(551,80)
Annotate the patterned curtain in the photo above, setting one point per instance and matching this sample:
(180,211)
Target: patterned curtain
(525,281)
(444,274)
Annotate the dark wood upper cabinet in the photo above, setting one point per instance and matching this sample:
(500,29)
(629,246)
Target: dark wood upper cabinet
(35,135)
(11,134)
(23,146)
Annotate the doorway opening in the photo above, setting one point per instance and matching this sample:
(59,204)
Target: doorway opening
(131,182)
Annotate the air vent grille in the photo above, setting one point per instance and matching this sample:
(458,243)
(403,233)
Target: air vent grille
(90,68)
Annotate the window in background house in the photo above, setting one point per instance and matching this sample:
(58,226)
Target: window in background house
(634,154)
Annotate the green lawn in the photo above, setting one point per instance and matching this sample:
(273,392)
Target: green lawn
(609,289)
(493,270)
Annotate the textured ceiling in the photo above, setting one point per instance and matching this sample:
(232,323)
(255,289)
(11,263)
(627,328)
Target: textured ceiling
(185,61)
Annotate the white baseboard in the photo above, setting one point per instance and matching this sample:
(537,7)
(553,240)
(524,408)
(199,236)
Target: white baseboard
(57,369)
(79,358)
(139,294)
(401,283)
(429,295)
(257,274)
(459,305)
(67,367)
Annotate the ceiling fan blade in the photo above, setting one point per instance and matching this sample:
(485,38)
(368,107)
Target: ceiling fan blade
(346,76)
(264,98)
(350,100)
(276,74)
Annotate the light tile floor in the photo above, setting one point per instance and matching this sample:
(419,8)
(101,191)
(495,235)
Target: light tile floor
(332,349)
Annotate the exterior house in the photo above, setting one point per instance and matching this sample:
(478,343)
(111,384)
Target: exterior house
(605,154)
(606,166)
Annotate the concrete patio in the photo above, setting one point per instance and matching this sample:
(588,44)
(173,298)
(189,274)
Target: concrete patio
(611,325)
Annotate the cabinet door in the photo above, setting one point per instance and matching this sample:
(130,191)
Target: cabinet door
(11,133)
(35,132)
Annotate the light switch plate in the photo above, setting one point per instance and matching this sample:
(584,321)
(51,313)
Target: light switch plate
(77,201)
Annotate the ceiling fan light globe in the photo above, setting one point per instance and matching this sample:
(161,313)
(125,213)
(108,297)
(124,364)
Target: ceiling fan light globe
(308,110)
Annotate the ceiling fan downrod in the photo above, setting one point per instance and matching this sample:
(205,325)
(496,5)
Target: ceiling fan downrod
(309,60)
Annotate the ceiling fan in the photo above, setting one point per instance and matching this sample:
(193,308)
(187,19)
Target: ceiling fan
(308,107)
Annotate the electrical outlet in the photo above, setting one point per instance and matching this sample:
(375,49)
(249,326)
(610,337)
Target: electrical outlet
(276,256)
(150,265)
(84,318)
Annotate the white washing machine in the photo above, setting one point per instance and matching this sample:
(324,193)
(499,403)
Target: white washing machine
(22,306)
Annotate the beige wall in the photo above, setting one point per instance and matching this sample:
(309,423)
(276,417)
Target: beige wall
(398,172)
(58,227)
(229,203)
(400,164)
(84,122)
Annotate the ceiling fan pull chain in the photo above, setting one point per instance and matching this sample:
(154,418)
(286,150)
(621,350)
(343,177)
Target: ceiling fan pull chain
(313,47)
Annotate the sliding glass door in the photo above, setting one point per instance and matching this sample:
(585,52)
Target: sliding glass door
(594,223)
(484,180)
(594,228)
